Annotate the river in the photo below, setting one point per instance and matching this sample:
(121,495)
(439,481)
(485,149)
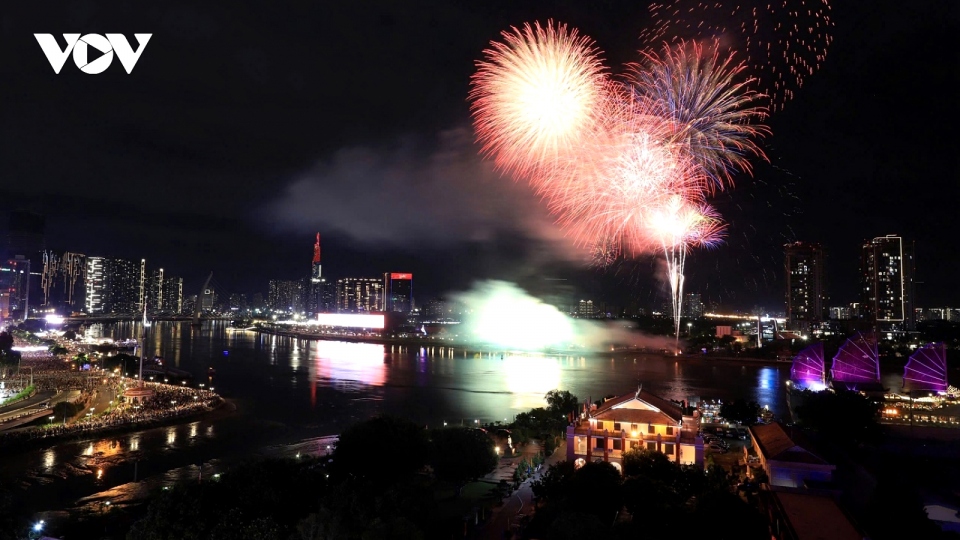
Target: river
(288,395)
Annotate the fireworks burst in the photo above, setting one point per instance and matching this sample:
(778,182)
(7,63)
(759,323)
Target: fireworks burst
(782,41)
(535,95)
(625,166)
(712,115)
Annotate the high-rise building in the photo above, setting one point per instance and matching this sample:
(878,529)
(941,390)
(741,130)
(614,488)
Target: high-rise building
(398,292)
(692,306)
(285,296)
(14,288)
(95,293)
(238,302)
(886,269)
(586,310)
(62,281)
(805,286)
(164,293)
(359,295)
(172,296)
(114,286)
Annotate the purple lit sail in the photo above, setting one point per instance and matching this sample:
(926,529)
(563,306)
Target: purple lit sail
(808,367)
(857,360)
(926,369)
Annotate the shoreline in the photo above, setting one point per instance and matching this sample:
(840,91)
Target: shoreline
(470,350)
(26,444)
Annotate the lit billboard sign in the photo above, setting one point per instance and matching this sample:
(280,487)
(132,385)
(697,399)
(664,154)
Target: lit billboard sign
(396,275)
(351,320)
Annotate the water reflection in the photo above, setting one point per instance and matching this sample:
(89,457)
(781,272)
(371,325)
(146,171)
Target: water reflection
(49,460)
(171,435)
(529,378)
(134,442)
(350,363)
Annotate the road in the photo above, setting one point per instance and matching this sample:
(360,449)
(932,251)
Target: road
(505,520)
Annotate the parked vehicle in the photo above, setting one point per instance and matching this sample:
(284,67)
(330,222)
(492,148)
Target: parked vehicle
(717,448)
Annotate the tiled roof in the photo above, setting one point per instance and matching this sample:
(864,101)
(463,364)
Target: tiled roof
(670,409)
(636,416)
(777,445)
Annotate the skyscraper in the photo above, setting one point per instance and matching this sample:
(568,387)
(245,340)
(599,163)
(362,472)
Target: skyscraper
(886,268)
(319,293)
(398,292)
(692,306)
(285,296)
(62,281)
(359,295)
(14,288)
(805,287)
(114,285)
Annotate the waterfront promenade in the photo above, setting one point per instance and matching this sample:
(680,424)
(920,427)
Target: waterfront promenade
(69,402)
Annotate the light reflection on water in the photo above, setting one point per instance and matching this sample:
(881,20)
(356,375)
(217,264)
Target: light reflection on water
(529,378)
(289,390)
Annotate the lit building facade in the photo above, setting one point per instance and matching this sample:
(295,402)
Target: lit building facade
(586,309)
(62,281)
(114,286)
(359,295)
(398,292)
(14,288)
(692,306)
(286,296)
(637,420)
(805,287)
(886,268)
(172,296)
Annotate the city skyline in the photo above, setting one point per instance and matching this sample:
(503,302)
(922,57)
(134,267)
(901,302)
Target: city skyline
(236,173)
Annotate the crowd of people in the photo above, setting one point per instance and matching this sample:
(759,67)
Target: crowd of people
(53,373)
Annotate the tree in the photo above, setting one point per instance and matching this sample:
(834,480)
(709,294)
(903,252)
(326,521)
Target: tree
(741,411)
(384,449)
(595,489)
(70,334)
(6,342)
(459,455)
(562,402)
(841,416)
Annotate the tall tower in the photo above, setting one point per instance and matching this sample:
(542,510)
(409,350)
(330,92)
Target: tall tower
(806,293)
(316,275)
(317,286)
(886,270)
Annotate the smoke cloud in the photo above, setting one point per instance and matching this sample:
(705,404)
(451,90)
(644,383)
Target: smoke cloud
(502,315)
(414,194)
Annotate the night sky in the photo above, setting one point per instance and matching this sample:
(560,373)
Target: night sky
(246,127)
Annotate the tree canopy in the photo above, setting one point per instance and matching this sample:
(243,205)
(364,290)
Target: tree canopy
(842,416)
(383,449)
(741,411)
(459,454)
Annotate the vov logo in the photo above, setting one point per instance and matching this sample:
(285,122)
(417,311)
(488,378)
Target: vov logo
(80,46)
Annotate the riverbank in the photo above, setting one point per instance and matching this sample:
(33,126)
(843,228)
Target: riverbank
(469,350)
(28,437)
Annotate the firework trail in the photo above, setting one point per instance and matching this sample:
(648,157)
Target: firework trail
(535,95)
(678,226)
(715,117)
(781,41)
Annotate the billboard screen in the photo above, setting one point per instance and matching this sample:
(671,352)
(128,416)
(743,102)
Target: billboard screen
(397,275)
(351,320)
